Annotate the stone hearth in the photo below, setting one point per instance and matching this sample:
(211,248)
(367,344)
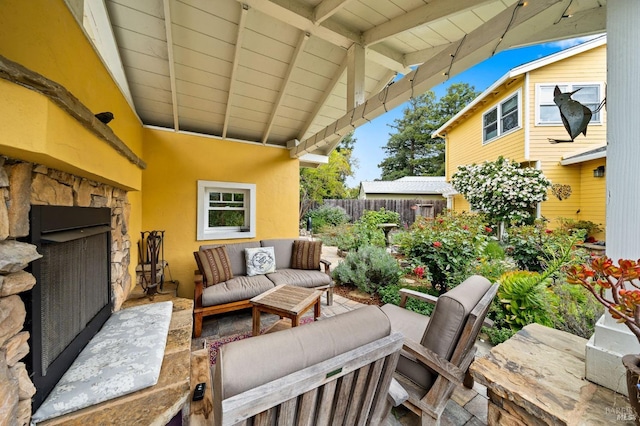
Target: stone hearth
(23,184)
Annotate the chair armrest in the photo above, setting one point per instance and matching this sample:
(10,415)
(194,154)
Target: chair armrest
(397,394)
(326,264)
(405,292)
(434,361)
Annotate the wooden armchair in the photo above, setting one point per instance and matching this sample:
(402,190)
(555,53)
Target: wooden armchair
(438,350)
(335,371)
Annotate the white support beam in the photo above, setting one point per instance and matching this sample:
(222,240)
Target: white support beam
(473,48)
(315,159)
(422,56)
(435,10)
(172,71)
(301,17)
(388,58)
(327,8)
(390,75)
(304,37)
(236,60)
(355,76)
(323,100)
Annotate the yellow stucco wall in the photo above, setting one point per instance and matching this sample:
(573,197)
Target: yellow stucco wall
(43,36)
(169,199)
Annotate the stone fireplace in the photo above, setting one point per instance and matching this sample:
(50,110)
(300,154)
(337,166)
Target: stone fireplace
(22,185)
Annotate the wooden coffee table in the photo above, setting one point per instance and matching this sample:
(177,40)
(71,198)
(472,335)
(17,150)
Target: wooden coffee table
(285,301)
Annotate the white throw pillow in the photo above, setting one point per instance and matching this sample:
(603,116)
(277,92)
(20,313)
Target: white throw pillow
(260,260)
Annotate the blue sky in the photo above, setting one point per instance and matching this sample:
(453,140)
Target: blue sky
(371,137)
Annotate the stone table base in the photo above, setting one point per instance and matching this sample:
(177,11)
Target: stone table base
(537,378)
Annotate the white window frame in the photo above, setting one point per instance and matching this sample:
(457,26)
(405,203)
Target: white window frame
(570,86)
(498,108)
(205,187)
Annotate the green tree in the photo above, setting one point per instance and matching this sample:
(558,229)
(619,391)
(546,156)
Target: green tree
(328,180)
(411,151)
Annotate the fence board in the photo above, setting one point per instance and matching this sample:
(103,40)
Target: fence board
(408,209)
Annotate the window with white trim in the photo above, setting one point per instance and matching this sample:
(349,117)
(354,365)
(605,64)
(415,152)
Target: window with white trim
(547,112)
(226,210)
(501,119)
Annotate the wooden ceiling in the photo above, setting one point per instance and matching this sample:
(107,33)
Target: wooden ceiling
(303,73)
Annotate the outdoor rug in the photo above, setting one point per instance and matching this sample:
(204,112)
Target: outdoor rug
(214,344)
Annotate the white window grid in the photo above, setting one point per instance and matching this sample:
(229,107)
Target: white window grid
(547,112)
(502,119)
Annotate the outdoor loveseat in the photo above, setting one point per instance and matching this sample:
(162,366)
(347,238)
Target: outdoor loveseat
(229,275)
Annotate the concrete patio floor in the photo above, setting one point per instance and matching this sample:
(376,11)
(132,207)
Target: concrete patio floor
(467,407)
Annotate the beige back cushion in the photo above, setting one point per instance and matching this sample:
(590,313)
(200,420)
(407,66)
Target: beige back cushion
(252,362)
(214,264)
(282,248)
(236,255)
(450,315)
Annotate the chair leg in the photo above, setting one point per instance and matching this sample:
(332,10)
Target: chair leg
(468,380)
(330,296)
(197,324)
(427,420)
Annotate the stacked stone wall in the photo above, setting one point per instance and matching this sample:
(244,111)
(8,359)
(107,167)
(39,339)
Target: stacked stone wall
(23,184)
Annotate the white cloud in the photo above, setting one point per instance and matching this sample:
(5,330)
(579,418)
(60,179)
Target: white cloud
(570,42)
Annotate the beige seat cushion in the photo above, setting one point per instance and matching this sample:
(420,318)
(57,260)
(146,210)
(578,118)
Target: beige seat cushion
(237,288)
(249,363)
(300,277)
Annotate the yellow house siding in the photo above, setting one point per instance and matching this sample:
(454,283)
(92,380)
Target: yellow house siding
(593,195)
(177,161)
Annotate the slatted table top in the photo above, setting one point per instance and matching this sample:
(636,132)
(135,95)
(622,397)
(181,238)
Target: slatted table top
(287,299)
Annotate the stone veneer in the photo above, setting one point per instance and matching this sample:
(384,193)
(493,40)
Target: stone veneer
(21,185)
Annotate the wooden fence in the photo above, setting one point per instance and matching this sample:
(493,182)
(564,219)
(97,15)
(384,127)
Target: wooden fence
(408,209)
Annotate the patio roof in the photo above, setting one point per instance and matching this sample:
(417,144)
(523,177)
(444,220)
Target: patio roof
(408,185)
(302,73)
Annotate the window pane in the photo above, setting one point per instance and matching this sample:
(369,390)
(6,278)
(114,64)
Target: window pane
(510,121)
(214,196)
(226,218)
(546,93)
(227,196)
(549,114)
(509,105)
(586,94)
(491,131)
(238,197)
(491,117)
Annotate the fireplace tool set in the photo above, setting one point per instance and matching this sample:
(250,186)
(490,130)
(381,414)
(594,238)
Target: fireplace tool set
(152,263)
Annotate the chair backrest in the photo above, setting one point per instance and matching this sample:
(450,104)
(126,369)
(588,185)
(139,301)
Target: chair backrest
(451,313)
(339,367)
(236,255)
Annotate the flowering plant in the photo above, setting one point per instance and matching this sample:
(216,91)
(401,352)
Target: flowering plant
(419,271)
(623,300)
(502,189)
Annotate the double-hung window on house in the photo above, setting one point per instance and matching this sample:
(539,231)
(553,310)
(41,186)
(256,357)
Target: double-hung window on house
(501,119)
(226,210)
(547,112)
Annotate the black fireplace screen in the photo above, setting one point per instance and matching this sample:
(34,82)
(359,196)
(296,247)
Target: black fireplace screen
(72,296)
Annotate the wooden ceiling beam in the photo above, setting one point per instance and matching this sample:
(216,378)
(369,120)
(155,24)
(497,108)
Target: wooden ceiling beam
(476,46)
(434,11)
(355,76)
(236,60)
(327,8)
(304,37)
(172,70)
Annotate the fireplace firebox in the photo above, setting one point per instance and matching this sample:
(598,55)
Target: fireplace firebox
(72,296)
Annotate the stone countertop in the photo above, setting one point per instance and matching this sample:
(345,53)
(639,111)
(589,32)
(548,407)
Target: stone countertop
(158,404)
(537,377)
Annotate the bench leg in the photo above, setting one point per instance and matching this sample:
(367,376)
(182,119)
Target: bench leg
(330,296)
(197,324)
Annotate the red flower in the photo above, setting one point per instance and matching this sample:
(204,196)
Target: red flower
(465,227)
(548,231)
(487,229)
(437,244)
(419,271)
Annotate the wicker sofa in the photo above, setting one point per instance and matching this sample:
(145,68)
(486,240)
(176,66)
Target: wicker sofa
(235,293)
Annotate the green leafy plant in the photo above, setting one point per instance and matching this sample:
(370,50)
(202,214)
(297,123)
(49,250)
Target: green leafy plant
(573,310)
(448,246)
(590,228)
(369,269)
(325,216)
(391,294)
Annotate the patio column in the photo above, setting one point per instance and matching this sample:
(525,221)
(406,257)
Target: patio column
(612,340)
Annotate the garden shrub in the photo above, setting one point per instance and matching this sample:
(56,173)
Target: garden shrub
(447,245)
(375,218)
(364,232)
(589,228)
(574,309)
(369,269)
(325,216)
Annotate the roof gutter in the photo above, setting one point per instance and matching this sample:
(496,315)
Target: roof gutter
(584,158)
